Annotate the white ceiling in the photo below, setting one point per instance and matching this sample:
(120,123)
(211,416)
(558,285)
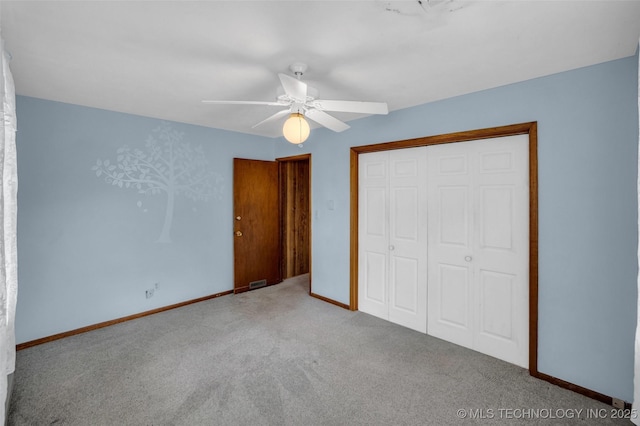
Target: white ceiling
(161,58)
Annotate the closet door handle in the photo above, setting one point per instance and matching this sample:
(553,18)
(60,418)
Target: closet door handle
(392,248)
(468,258)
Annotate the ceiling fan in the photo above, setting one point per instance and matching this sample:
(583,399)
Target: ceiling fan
(300,100)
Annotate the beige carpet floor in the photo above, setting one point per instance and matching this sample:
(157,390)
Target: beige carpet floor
(276,356)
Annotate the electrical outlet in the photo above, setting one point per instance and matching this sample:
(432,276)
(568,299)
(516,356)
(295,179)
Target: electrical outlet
(617,403)
(149,293)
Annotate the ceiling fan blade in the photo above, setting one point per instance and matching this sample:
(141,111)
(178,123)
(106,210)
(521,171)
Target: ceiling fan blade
(245,103)
(352,106)
(326,120)
(295,88)
(274,117)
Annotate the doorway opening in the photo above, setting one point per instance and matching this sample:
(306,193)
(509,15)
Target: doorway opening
(295,215)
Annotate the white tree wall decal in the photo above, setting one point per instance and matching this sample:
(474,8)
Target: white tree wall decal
(168,165)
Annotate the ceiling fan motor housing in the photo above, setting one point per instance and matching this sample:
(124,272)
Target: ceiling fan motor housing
(298,68)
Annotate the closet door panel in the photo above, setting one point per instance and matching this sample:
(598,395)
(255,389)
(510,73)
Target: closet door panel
(407,238)
(403,287)
(501,257)
(450,288)
(373,224)
(478,259)
(496,297)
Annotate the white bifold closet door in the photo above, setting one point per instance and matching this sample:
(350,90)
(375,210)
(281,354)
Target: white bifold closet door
(392,236)
(444,242)
(478,210)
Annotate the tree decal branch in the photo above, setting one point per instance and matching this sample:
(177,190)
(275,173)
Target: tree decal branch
(167,165)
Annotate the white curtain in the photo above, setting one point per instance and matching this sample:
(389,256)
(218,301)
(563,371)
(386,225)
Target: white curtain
(636,375)
(8,227)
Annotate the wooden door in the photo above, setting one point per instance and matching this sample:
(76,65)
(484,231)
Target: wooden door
(257,246)
(479,246)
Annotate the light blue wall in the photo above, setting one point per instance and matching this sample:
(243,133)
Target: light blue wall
(588,137)
(87,249)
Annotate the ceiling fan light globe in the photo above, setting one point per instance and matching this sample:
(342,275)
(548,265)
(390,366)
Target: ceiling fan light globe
(296,129)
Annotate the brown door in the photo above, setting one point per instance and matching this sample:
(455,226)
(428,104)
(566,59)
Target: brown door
(256,249)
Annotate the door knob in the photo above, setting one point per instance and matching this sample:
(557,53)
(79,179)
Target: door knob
(238,218)
(392,248)
(468,258)
(238,233)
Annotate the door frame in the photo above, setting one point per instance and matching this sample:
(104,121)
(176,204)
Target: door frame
(530,128)
(301,157)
